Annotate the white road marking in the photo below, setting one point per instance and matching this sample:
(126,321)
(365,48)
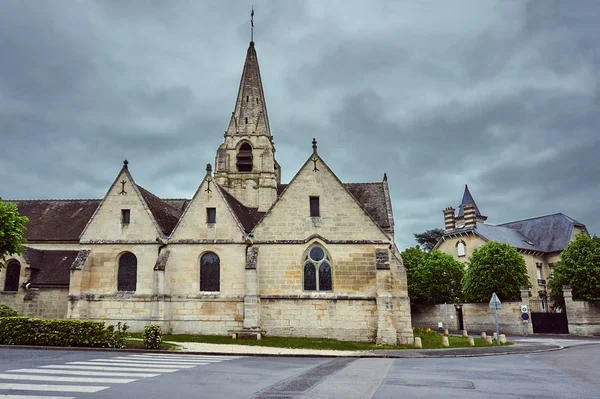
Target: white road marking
(171,360)
(166,356)
(35,397)
(99,380)
(161,361)
(124,363)
(54,388)
(107,368)
(84,372)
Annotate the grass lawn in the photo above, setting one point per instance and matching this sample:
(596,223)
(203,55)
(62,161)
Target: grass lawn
(137,344)
(430,340)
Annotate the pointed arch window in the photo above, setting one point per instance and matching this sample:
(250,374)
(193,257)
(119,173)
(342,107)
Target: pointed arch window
(13,272)
(244,158)
(127,275)
(317,270)
(210,272)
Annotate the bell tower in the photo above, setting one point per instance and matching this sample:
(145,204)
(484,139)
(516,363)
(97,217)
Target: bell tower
(245,162)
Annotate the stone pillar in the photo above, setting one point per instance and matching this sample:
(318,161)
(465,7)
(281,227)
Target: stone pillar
(569,305)
(251,298)
(77,307)
(159,311)
(525,296)
(386,332)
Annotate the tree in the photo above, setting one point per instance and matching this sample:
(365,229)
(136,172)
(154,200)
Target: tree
(429,238)
(578,267)
(495,267)
(11,231)
(433,277)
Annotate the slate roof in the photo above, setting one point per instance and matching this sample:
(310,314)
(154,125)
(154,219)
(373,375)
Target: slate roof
(466,200)
(56,220)
(508,236)
(50,268)
(248,217)
(178,203)
(165,215)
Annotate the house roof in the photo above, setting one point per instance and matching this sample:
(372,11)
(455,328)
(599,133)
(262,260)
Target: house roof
(165,215)
(248,217)
(466,200)
(507,235)
(371,196)
(56,220)
(51,268)
(551,233)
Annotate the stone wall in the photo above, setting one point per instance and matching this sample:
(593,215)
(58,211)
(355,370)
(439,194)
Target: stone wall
(320,315)
(583,316)
(477,317)
(46,303)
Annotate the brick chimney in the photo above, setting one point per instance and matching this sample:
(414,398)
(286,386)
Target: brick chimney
(470,215)
(449,219)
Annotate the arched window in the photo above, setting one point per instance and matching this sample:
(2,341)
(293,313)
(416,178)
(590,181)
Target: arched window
(460,248)
(13,272)
(210,272)
(317,270)
(244,158)
(127,276)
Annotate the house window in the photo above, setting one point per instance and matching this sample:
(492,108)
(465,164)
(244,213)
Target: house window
(314,207)
(13,272)
(210,273)
(317,270)
(125,216)
(211,215)
(460,248)
(244,158)
(538,267)
(127,275)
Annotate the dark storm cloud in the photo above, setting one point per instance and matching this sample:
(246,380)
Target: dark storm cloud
(501,95)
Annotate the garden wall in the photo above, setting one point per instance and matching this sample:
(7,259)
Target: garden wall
(583,316)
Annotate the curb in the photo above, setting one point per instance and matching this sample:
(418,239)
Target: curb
(436,353)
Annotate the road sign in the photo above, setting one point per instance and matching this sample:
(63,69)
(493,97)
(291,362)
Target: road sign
(524,309)
(495,302)
(525,316)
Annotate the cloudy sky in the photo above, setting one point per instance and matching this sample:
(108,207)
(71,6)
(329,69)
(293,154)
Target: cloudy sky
(501,95)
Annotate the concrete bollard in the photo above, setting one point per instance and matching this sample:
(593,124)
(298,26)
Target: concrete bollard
(495,337)
(445,342)
(471,341)
(502,338)
(488,339)
(418,343)
(465,334)
(483,335)
(445,331)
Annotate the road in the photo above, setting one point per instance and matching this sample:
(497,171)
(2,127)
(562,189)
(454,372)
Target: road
(32,374)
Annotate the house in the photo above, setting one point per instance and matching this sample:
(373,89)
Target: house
(540,240)
(314,257)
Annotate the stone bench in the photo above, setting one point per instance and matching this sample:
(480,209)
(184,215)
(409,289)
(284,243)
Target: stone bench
(247,333)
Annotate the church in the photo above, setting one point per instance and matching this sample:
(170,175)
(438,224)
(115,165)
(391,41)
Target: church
(246,254)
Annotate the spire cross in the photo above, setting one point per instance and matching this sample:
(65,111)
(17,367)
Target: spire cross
(252,25)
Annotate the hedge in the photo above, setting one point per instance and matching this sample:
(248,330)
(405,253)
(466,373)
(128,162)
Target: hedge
(5,311)
(152,336)
(34,331)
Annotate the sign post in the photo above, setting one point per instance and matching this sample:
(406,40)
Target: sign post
(496,304)
(525,318)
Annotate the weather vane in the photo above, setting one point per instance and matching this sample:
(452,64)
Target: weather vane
(252,25)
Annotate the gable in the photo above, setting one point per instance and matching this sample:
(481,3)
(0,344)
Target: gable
(341,216)
(106,225)
(193,223)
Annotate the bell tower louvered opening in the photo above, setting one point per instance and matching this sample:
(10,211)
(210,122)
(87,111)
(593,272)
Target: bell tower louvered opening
(244,158)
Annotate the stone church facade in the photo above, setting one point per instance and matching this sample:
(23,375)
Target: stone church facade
(315,257)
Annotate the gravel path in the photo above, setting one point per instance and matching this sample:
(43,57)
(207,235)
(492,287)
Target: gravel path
(258,350)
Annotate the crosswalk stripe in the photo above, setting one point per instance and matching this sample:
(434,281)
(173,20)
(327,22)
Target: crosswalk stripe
(53,388)
(167,356)
(35,397)
(160,361)
(141,357)
(108,368)
(97,380)
(123,364)
(148,363)
(84,372)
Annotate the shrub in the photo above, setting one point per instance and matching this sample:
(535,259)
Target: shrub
(34,331)
(152,336)
(5,311)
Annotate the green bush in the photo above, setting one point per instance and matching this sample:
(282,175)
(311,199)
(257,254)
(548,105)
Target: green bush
(152,336)
(5,311)
(34,331)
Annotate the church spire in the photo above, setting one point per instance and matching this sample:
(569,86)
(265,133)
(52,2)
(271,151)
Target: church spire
(466,200)
(249,116)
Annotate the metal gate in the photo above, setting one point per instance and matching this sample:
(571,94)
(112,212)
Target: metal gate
(545,322)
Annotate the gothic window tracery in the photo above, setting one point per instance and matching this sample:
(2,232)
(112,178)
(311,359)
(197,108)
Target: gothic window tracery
(317,270)
(210,273)
(127,275)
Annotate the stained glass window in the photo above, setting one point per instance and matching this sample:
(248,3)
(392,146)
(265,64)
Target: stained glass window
(127,276)
(210,273)
(317,270)
(13,271)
